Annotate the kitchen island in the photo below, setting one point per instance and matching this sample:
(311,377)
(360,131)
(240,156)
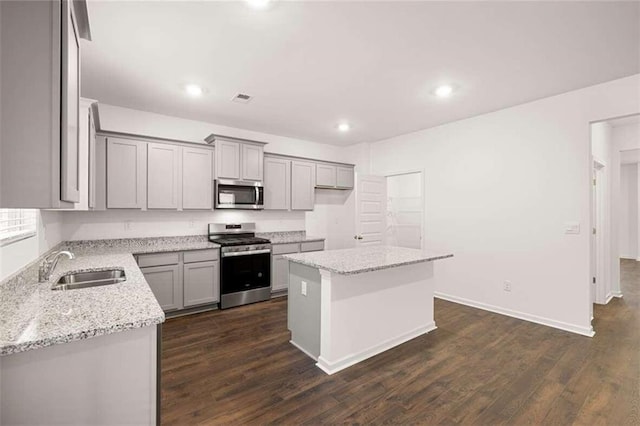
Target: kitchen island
(348,305)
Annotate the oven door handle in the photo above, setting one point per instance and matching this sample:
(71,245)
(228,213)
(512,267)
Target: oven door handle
(245,253)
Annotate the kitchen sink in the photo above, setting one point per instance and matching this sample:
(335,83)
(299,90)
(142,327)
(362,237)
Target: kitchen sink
(75,280)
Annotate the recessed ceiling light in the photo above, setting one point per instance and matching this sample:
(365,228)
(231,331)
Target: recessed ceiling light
(444,91)
(344,127)
(193,90)
(259,4)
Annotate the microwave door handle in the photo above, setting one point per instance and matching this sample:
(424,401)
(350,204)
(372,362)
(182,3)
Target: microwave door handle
(257,195)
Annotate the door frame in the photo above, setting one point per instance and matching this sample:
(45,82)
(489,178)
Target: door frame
(422,197)
(600,240)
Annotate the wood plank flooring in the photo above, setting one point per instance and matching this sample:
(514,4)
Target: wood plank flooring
(478,368)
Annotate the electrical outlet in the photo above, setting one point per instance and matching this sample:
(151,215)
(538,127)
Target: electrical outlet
(127,225)
(192,223)
(303,288)
(507,286)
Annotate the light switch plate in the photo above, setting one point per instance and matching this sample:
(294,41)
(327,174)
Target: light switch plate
(572,228)
(303,288)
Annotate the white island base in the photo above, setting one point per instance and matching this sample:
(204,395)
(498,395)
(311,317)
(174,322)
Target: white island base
(345,319)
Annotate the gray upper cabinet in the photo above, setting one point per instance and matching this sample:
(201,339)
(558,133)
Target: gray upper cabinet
(166,285)
(252,162)
(126,171)
(163,171)
(345,177)
(325,175)
(303,175)
(197,179)
(277,183)
(40,79)
(227,159)
(70,112)
(201,283)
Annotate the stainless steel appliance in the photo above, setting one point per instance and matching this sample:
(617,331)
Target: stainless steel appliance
(238,194)
(245,266)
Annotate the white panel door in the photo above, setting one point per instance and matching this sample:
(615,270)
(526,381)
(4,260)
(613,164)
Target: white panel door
(371,196)
(227,160)
(303,174)
(163,170)
(252,162)
(277,184)
(197,179)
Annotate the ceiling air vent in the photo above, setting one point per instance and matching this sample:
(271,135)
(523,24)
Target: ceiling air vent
(242,98)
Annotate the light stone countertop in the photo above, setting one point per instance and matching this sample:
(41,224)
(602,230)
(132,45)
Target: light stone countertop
(34,316)
(364,259)
(288,237)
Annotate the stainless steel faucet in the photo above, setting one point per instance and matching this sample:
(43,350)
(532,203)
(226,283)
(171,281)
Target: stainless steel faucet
(49,264)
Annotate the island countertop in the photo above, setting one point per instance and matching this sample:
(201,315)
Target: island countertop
(364,259)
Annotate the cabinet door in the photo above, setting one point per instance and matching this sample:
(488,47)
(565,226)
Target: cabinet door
(277,184)
(197,179)
(345,177)
(252,162)
(162,176)
(325,175)
(201,283)
(302,185)
(70,130)
(280,273)
(92,160)
(227,160)
(126,163)
(166,284)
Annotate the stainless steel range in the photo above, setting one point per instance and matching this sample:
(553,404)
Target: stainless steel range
(245,269)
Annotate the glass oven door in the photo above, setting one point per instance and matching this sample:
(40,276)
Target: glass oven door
(245,272)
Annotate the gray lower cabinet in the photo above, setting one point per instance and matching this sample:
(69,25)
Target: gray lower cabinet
(201,283)
(280,265)
(280,273)
(166,284)
(182,280)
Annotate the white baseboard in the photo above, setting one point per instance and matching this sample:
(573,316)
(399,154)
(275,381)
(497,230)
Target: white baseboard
(617,293)
(608,298)
(585,331)
(333,367)
(637,259)
(306,352)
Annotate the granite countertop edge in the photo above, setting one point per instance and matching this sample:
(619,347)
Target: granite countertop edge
(293,258)
(13,348)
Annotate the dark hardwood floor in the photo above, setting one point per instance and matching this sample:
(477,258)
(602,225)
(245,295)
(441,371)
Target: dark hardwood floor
(237,367)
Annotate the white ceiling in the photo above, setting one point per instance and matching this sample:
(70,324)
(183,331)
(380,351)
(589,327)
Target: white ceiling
(310,65)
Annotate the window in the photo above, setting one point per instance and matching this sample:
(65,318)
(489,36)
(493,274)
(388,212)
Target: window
(16,224)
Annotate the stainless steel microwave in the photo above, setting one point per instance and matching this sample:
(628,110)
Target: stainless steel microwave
(239,194)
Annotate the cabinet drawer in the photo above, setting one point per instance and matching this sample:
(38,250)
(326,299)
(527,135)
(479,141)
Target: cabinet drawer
(201,255)
(312,246)
(158,259)
(285,248)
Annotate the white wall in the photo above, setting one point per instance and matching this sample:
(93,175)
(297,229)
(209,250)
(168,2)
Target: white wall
(49,233)
(628,231)
(111,224)
(499,189)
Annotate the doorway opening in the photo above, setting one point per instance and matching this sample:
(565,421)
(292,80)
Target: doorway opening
(615,202)
(405,210)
